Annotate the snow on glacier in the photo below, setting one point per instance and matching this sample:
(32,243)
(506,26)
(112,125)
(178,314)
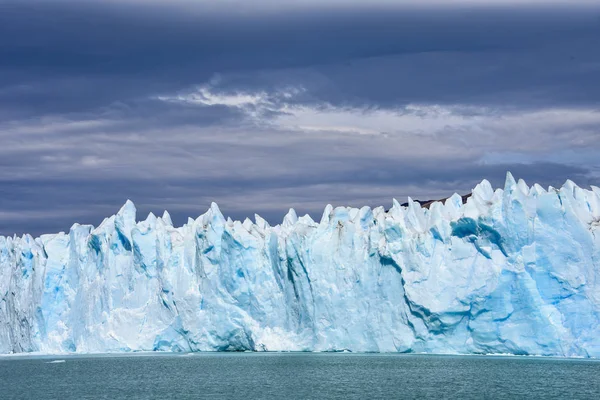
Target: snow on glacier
(511,271)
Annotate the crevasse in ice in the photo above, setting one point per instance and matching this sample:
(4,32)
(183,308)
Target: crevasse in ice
(511,271)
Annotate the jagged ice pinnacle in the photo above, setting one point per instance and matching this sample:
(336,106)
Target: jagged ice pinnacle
(511,271)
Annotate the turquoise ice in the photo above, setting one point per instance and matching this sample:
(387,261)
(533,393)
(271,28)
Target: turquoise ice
(514,270)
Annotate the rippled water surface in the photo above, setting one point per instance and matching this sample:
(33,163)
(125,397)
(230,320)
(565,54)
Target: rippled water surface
(297,376)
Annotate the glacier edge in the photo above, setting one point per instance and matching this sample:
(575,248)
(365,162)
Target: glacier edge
(512,271)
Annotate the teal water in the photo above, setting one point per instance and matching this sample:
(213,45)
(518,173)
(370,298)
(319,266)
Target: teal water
(297,376)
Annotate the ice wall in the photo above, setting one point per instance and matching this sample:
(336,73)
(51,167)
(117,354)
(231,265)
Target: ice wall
(511,271)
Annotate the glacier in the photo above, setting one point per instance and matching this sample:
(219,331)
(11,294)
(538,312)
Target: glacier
(511,271)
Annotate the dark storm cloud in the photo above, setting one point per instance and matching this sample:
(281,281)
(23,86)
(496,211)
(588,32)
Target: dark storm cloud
(178,106)
(64,57)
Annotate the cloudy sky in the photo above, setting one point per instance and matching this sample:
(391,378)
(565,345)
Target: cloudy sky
(269,105)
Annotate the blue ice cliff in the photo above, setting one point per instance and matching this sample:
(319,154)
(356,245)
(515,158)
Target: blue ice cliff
(510,271)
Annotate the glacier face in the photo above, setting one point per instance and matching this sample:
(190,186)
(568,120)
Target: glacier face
(515,270)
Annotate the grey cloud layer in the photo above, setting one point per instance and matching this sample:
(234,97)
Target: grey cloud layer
(99,103)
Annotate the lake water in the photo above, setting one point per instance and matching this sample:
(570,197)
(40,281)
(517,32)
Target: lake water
(251,376)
